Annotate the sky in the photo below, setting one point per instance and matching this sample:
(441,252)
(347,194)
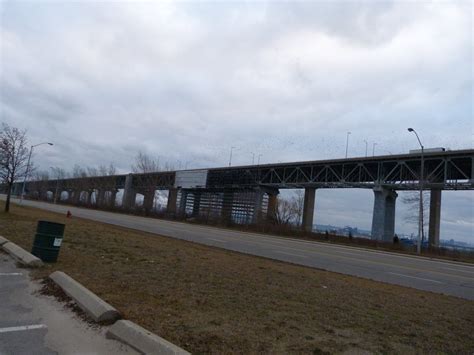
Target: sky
(283,81)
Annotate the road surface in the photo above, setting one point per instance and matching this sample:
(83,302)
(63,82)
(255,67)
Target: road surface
(451,278)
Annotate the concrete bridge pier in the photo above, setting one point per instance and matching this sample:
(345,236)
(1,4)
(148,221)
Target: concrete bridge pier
(272,205)
(172,199)
(148,200)
(76,197)
(435,217)
(227,206)
(196,203)
(308,209)
(182,203)
(100,197)
(129,193)
(89,197)
(112,198)
(257,207)
(383,219)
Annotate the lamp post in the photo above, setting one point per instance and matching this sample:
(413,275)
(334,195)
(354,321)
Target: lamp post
(366,147)
(230,158)
(28,168)
(373,149)
(258,160)
(347,142)
(420,216)
(253,158)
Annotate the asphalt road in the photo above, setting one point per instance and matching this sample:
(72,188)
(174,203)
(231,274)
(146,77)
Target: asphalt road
(31,323)
(451,278)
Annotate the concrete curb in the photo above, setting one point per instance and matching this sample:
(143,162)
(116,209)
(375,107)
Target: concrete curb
(141,339)
(22,255)
(3,240)
(95,307)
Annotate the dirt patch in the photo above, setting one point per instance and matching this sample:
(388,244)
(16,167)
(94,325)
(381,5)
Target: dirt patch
(209,300)
(49,288)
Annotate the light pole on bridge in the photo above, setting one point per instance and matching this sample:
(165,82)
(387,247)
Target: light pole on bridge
(230,158)
(28,169)
(420,216)
(347,142)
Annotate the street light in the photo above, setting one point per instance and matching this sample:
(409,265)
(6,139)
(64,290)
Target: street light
(230,158)
(420,216)
(28,168)
(366,147)
(347,142)
(253,158)
(258,160)
(373,149)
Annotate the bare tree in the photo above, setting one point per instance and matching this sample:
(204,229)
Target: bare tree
(145,164)
(297,205)
(13,157)
(146,183)
(412,201)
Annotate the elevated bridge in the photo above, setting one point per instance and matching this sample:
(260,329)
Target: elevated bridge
(248,193)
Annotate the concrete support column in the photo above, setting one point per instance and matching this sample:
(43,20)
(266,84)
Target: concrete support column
(227,206)
(112,198)
(89,197)
(76,197)
(257,207)
(100,198)
(148,199)
(182,203)
(172,198)
(272,206)
(383,218)
(196,203)
(308,209)
(129,193)
(435,217)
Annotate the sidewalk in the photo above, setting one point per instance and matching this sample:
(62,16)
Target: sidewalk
(31,323)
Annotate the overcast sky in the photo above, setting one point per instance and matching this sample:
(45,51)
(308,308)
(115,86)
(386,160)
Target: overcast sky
(186,81)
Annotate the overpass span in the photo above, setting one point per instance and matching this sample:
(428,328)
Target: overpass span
(248,194)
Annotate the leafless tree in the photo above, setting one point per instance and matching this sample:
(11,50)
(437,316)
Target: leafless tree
(145,164)
(412,201)
(297,205)
(13,157)
(146,183)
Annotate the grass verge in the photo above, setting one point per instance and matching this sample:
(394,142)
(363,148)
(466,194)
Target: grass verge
(208,300)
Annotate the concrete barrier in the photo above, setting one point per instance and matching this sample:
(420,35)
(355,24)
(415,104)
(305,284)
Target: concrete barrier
(3,240)
(141,339)
(22,255)
(95,307)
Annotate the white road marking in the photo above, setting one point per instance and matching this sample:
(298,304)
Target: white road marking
(23,327)
(282,252)
(414,277)
(10,273)
(217,240)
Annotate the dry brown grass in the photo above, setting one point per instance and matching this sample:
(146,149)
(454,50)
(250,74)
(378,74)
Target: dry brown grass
(208,300)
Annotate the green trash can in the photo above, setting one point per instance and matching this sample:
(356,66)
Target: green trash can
(48,239)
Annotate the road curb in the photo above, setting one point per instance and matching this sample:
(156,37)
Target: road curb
(22,255)
(3,240)
(141,339)
(89,302)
